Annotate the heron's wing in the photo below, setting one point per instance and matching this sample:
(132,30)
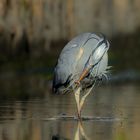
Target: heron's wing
(68,59)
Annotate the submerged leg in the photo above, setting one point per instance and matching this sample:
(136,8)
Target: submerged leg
(77,98)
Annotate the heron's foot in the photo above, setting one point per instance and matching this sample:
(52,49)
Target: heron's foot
(79,116)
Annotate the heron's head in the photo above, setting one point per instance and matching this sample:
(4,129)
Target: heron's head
(100,50)
(98,62)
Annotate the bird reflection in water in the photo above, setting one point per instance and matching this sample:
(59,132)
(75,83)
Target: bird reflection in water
(79,133)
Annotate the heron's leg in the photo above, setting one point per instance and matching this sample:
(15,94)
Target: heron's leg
(84,97)
(77,98)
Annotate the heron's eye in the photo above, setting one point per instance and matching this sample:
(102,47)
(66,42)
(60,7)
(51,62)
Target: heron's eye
(99,52)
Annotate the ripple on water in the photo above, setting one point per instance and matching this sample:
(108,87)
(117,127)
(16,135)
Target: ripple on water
(83,118)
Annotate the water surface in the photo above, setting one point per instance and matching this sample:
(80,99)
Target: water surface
(111,112)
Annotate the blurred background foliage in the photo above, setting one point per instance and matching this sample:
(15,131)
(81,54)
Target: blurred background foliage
(33,32)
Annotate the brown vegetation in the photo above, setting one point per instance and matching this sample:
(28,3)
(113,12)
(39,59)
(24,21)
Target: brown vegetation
(32,26)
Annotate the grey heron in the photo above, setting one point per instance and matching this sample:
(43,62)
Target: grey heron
(81,63)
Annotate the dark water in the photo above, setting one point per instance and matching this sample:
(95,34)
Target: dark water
(111,112)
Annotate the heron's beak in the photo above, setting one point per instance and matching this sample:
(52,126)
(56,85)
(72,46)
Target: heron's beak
(82,76)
